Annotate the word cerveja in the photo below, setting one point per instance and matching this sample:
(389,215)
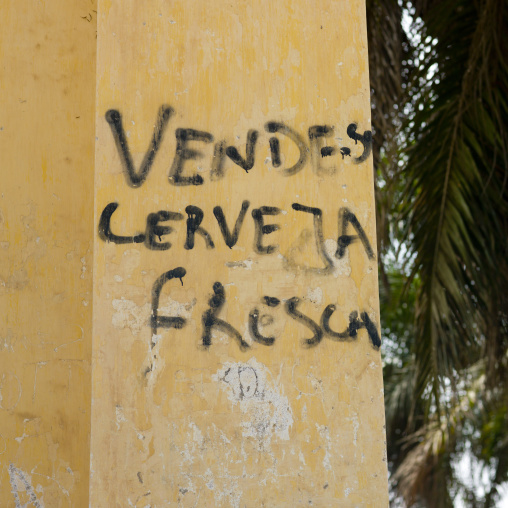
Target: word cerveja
(210,319)
(187,138)
(155,230)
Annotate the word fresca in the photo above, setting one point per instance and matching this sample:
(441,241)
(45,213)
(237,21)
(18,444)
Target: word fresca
(210,319)
(178,175)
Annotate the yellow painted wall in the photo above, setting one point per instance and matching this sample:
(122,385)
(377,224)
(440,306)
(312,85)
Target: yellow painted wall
(174,421)
(47,98)
(179,421)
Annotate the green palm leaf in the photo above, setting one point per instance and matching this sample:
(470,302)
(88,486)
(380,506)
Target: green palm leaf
(442,178)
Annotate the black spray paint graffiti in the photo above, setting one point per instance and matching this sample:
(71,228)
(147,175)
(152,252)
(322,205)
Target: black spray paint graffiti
(317,134)
(152,238)
(114,118)
(365,140)
(230,238)
(264,229)
(317,214)
(274,127)
(210,319)
(157,321)
(248,162)
(319,149)
(183,153)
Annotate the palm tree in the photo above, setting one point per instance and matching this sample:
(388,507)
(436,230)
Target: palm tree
(440,119)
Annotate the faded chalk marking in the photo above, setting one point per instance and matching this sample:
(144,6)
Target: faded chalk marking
(39,487)
(37,365)
(71,342)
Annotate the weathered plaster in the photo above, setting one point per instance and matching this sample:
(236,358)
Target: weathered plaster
(177,421)
(47,98)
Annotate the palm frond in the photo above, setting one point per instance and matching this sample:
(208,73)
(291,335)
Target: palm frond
(449,132)
(454,132)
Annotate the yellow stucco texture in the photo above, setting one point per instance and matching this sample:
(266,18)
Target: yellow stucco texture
(47,125)
(204,391)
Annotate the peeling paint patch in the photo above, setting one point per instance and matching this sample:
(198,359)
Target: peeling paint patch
(197,435)
(130,315)
(83,267)
(136,317)
(324,432)
(340,266)
(21,488)
(266,408)
(120,417)
(208,477)
(356,426)
(315,295)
